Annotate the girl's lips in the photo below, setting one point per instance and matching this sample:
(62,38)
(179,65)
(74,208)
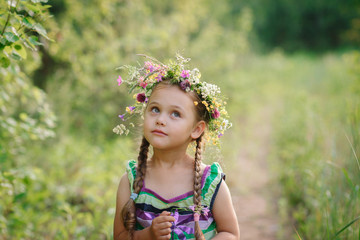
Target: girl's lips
(159,132)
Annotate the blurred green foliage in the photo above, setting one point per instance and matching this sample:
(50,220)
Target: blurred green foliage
(305,25)
(65,187)
(60,163)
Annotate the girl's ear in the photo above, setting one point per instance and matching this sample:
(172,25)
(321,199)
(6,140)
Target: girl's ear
(198,129)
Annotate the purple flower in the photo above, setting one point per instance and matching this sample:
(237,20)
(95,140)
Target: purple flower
(159,77)
(220,135)
(130,109)
(122,117)
(119,80)
(141,97)
(184,84)
(215,114)
(185,74)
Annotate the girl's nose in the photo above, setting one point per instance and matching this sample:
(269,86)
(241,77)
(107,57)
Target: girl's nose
(160,121)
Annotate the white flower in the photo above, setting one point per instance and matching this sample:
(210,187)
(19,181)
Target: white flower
(194,76)
(209,90)
(120,129)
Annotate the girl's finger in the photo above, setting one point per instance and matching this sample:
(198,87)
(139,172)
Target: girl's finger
(164,225)
(164,232)
(165,213)
(166,219)
(166,237)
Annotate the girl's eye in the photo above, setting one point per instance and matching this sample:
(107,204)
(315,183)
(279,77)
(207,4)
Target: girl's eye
(176,114)
(155,110)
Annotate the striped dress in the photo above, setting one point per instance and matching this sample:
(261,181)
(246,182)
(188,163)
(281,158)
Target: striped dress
(149,204)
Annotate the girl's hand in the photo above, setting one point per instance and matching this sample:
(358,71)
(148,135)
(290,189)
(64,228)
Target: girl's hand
(161,226)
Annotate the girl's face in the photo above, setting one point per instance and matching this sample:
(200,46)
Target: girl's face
(170,118)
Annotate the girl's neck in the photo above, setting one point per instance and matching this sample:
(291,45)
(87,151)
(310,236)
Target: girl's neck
(170,158)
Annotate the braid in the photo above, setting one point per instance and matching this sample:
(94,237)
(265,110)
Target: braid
(197,188)
(128,211)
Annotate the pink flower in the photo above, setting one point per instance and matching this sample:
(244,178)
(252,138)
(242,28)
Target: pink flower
(119,80)
(206,211)
(141,97)
(142,83)
(185,74)
(149,66)
(215,114)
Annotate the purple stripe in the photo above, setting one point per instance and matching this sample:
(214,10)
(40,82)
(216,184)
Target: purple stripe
(184,222)
(185,195)
(182,219)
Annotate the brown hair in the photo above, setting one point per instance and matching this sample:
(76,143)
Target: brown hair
(128,211)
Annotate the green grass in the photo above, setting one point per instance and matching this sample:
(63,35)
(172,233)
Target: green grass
(313,107)
(312,100)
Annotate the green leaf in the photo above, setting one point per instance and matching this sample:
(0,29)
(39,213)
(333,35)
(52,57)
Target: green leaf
(15,56)
(27,22)
(40,29)
(11,37)
(5,62)
(28,44)
(33,9)
(34,41)
(346,226)
(3,41)
(17,47)
(46,6)
(20,50)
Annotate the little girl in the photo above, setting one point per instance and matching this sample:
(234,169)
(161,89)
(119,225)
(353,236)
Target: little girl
(171,195)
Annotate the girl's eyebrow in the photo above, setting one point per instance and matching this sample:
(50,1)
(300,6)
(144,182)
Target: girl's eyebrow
(173,106)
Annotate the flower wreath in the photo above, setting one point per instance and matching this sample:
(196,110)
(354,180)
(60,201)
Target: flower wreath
(143,79)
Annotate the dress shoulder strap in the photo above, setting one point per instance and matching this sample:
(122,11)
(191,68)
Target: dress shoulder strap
(213,179)
(131,172)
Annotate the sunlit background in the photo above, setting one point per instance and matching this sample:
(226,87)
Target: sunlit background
(290,71)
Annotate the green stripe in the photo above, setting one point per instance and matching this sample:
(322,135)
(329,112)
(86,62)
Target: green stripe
(131,172)
(208,190)
(211,182)
(148,198)
(132,165)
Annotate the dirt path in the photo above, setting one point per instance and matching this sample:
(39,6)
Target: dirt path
(254,204)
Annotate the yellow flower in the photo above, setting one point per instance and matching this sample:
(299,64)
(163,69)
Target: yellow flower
(196,103)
